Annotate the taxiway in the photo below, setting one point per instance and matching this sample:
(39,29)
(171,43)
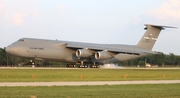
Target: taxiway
(87,83)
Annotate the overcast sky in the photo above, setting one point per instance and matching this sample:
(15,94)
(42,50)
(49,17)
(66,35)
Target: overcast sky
(94,21)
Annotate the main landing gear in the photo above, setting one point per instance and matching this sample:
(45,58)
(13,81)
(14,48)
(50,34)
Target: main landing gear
(83,65)
(71,65)
(94,65)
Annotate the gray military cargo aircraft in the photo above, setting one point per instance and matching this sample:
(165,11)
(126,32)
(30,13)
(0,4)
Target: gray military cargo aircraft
(85,54)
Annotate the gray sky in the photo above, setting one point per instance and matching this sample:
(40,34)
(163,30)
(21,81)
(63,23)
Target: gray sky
(94,21)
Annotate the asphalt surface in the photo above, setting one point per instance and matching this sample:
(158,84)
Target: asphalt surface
(86,83)
(143,68)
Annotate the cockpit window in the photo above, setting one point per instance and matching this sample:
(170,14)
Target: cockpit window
(21,40)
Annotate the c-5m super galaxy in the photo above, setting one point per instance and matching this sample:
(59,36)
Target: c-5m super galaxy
(85,54)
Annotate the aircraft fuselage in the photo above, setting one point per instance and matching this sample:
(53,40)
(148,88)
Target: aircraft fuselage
(57,50)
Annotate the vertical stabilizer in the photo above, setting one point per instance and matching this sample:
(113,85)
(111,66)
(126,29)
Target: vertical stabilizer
(149,38)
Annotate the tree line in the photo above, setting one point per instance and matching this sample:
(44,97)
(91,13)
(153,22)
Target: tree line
(159,59)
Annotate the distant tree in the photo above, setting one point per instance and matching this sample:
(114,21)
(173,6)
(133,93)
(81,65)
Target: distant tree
(124,63)
(131,63)
(161,58)
(2,57)
(172,58)
(141,63)
(177,60)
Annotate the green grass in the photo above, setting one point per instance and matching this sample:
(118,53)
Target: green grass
(54,75)
(105,91)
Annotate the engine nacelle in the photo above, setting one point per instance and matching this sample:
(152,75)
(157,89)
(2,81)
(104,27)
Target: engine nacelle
(103,55)
(84,53)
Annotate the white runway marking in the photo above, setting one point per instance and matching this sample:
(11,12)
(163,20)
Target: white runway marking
(86,83)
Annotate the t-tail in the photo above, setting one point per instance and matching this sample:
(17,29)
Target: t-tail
(149,38)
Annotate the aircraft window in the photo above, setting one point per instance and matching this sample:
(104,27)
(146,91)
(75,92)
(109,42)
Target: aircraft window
(21,40)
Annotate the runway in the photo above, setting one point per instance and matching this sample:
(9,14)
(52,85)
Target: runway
(10,84)
(139,68)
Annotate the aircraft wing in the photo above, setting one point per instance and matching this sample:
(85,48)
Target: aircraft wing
(97,47)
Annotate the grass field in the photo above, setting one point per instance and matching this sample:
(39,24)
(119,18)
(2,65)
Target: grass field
(54,75)
(105,91)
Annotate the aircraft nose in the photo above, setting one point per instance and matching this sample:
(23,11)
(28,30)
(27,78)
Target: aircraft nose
(10,49)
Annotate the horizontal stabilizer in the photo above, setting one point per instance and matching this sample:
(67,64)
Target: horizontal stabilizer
(158,26)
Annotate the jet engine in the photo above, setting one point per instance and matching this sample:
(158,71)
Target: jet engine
(103,55)
(84,53)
